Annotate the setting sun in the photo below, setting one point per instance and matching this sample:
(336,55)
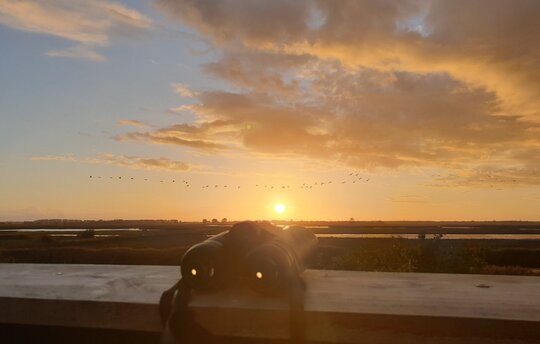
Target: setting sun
(279,208)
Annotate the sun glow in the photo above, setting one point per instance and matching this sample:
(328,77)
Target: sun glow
(279,208)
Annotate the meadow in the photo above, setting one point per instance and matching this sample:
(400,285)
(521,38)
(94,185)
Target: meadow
(166,246)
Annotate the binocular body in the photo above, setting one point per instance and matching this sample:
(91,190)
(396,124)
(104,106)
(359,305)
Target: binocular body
(258,254)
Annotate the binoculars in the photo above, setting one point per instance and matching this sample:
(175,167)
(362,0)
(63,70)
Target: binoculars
(263,256)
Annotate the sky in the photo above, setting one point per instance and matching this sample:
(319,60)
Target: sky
(192,109)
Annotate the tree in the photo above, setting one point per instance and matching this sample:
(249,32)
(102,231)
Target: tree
(215,221)
(205,221)
(224,220)
(87,234)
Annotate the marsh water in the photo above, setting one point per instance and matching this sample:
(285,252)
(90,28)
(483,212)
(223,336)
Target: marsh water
(479,236)
(432,236)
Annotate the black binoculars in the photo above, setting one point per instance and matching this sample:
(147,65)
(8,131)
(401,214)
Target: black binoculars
(263,256)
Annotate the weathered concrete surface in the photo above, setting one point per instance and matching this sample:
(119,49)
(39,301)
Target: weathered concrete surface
(103,296)
(341,306)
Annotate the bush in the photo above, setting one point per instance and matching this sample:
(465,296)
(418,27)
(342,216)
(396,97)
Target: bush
(404,256)
(45,239)
(87,234)
(514,256)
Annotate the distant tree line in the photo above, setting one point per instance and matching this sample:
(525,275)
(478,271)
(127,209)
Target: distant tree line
(89,224)
(214,221)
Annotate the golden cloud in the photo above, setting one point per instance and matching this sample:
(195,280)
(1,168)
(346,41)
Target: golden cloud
(133,162)
(183,90)
(132,123)
(88,23)
(173,138)
(491,46)
(140,163)
(67,157)
(445,84)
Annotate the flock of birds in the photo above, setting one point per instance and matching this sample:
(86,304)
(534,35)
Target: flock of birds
(352,178)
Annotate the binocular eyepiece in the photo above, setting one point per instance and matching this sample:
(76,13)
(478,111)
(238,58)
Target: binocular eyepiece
(259,254)
(203,266)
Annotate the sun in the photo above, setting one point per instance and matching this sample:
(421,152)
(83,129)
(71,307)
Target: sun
(279,208)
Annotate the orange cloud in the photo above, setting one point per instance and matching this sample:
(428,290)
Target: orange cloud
(132,122)
(67,157)
(176,138)
(446,84)
(133,162)
(491,46)
(88,23)
(140,163)
(364,119)
(183,90)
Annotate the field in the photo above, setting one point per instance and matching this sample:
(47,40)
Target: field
(429,252)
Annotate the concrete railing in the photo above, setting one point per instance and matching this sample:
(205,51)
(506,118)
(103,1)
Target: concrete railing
(341,306)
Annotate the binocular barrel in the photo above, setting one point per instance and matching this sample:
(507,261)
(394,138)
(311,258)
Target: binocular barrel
(263,255)
(273,265)
(203,266)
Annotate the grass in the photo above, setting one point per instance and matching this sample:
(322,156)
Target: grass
(510,257)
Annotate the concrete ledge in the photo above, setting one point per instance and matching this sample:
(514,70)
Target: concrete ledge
(341,306)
